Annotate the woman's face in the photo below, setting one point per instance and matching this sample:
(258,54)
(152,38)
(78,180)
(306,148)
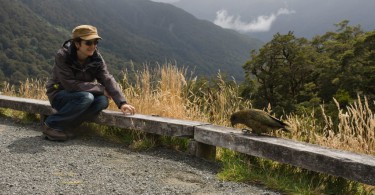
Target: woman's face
(87,47)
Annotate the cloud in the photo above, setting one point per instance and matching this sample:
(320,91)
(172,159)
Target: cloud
(166,1)
(260,24)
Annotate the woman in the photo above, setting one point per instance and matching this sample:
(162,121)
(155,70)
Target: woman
(80,84)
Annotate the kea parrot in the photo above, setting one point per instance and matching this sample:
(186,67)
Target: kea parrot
(258,121)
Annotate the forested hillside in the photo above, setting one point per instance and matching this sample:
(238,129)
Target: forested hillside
(137,31)
(26,42)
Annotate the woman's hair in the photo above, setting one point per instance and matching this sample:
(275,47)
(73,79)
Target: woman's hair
(72,48)
(76,40)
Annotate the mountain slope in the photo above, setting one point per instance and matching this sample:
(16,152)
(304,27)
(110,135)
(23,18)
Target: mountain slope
(141,31)
(24,48)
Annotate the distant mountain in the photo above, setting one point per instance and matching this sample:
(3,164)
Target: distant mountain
(140,31)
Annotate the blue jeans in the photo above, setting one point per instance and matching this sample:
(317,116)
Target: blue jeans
(73,108)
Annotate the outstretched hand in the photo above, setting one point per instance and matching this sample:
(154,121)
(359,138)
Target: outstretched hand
(127,109)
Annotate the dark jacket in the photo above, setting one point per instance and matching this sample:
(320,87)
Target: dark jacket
(68,74)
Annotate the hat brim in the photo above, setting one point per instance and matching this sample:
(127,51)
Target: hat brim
(90,37)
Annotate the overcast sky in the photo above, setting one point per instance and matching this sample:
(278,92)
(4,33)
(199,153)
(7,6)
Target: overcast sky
(263,18)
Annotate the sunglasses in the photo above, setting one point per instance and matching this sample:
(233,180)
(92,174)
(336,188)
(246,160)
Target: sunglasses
(91,42)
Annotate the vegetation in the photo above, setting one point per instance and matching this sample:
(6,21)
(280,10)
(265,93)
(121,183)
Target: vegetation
(167,92)
(294,74)
(322,87)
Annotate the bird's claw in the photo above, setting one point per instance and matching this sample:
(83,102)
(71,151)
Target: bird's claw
(246,131)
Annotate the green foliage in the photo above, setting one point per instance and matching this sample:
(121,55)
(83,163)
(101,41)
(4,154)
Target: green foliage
(136,140)
(25,49)
(286,178)
(282,68)
(179,144)
(294,74)
(20,116)
(343,97)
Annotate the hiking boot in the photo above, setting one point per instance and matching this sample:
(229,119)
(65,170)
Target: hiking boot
(53,134)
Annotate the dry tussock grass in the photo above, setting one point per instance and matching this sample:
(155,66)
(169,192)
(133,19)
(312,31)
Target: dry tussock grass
(165,91)
(356,129)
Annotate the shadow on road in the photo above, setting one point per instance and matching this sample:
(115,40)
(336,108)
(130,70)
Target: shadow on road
(30,145)
(34,142)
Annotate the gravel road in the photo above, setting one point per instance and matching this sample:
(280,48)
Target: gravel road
(29,164)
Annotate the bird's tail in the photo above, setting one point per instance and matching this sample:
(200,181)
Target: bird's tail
(287,128)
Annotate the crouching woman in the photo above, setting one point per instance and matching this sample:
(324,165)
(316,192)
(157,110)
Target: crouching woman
(80,85)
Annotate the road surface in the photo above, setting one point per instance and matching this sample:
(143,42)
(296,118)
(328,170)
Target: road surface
(91,165)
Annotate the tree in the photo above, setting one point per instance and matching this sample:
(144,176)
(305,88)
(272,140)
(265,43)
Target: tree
(281,69)
(364,58)
(341,71)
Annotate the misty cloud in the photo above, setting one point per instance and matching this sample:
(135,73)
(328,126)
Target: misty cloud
(262,23)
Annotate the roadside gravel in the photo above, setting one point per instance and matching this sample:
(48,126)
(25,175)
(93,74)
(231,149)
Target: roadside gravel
(29,164)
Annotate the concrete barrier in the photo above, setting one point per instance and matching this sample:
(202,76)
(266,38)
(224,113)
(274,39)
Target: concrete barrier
(205,137)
